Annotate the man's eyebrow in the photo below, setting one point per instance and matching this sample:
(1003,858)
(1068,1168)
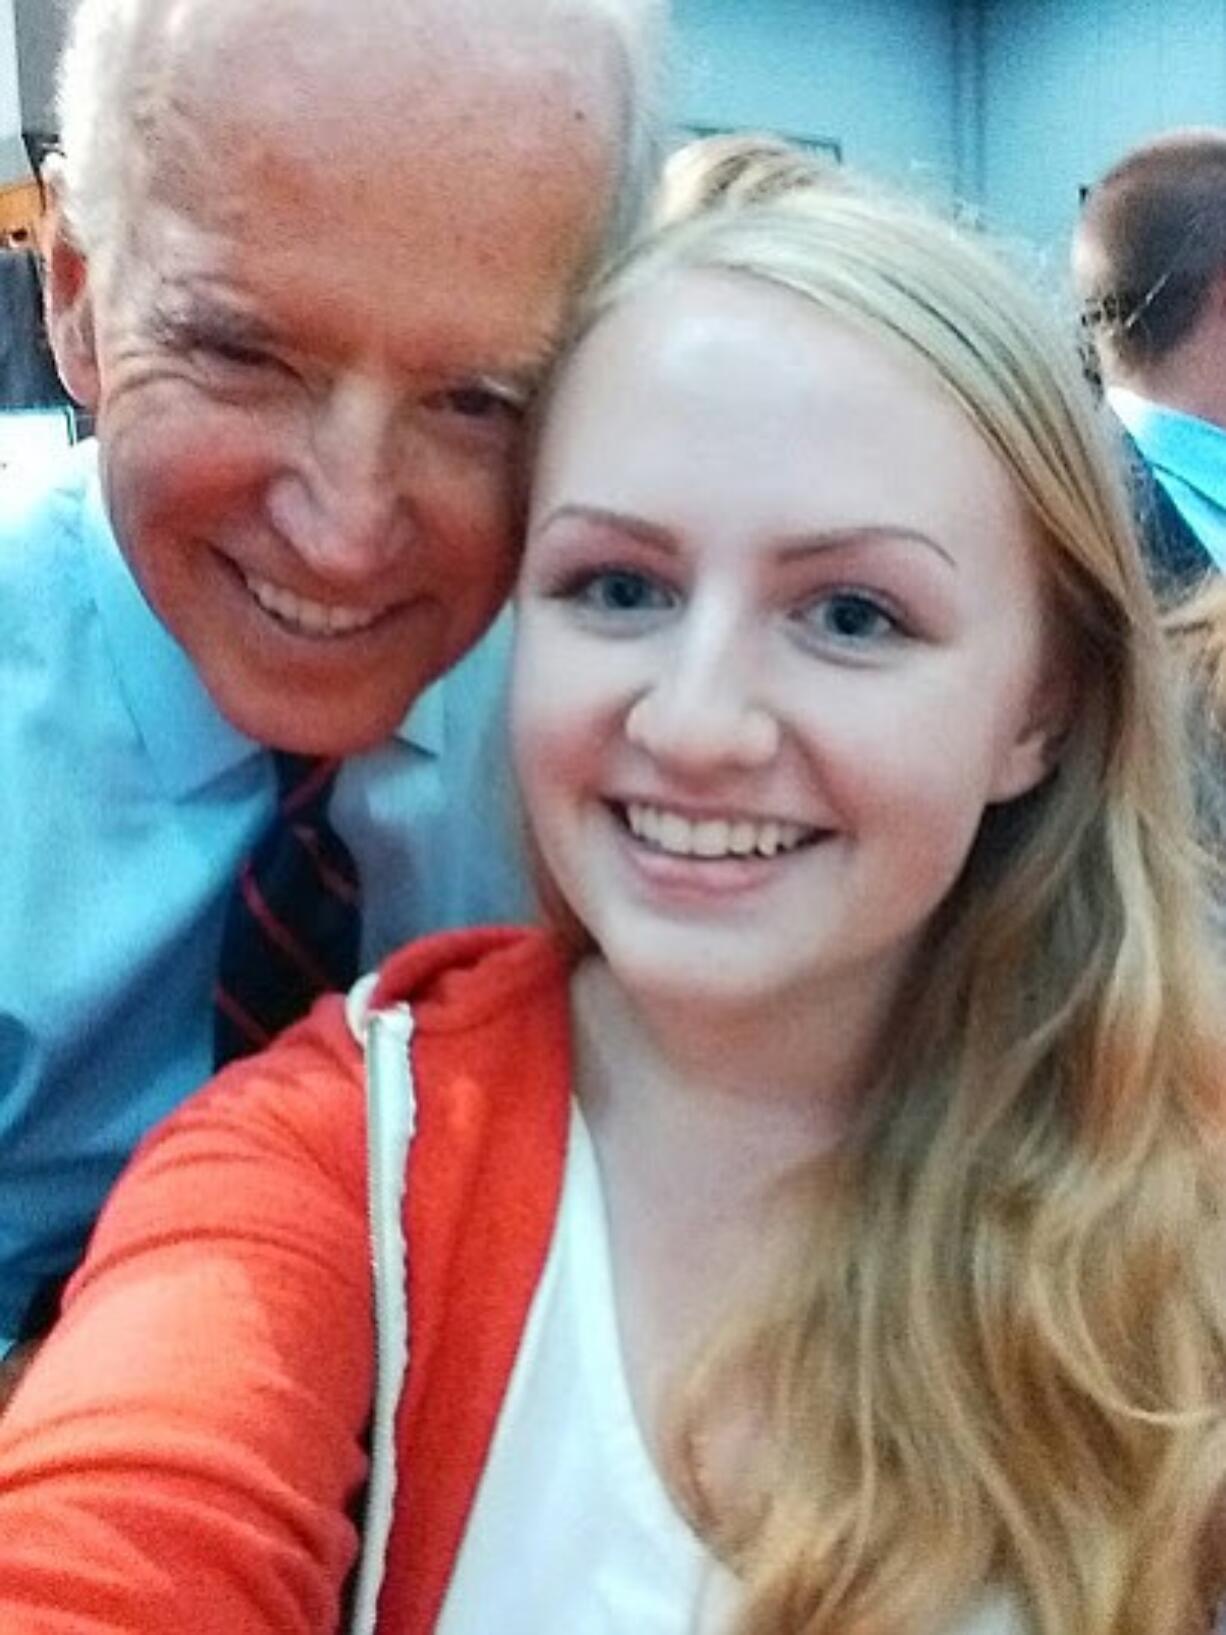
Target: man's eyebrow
(525,371)
(794,546)
(183,318)
(522,381)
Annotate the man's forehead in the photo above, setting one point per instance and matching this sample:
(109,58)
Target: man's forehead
(496,184)
(249,132)
(179,31)
(447,70)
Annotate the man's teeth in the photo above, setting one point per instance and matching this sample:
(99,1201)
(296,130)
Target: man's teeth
(712,837)
(313,618)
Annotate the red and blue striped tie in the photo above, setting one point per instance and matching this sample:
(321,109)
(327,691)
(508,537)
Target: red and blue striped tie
(293,924)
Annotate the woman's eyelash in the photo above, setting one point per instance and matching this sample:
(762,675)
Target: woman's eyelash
(847,617)
(849,614)
(614,590)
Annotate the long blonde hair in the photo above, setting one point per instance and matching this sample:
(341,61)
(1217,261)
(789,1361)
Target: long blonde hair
(997,1357)
(1197,630)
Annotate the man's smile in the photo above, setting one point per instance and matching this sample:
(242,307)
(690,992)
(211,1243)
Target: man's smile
(307,617)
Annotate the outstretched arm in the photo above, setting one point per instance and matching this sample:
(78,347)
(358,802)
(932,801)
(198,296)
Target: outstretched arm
(184,1449)
(12,1366)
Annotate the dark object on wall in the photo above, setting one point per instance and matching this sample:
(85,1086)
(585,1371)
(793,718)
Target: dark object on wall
(27,370)
(831,146)
(38,145)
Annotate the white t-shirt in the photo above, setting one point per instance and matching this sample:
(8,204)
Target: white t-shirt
(573,1531)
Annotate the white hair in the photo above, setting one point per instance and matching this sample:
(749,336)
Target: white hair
(105,116)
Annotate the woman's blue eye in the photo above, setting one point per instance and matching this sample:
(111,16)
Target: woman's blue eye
(621,590)
(850,616)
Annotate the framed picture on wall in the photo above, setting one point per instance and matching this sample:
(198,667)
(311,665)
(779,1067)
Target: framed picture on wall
(831,147)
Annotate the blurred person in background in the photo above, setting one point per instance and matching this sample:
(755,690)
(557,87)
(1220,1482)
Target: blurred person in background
(1149,265)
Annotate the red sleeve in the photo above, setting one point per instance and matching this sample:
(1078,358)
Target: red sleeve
(183,1451)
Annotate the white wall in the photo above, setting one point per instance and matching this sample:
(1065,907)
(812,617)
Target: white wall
(13,165)
(1070,85)
(879,75)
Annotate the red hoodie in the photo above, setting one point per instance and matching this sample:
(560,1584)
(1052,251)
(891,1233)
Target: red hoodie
(187,1450)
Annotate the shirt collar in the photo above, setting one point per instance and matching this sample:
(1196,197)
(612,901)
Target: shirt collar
(1181,443)
(188,739)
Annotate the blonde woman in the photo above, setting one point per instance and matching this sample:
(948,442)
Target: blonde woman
(823,1233)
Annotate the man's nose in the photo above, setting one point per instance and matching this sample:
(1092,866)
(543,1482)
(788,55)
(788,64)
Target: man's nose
(705,711)
(343,505)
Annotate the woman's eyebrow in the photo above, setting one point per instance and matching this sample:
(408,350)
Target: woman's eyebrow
(793,546)
(622,522)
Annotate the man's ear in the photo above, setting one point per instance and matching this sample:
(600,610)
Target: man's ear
(69,303)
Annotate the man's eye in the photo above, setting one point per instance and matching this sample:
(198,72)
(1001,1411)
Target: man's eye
(478,403)
(234,354)
(620,590)
(850,618)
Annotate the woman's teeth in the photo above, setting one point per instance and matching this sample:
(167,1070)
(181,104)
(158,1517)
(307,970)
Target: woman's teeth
(311,618)
(713,837)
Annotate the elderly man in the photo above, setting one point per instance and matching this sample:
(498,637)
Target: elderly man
(1149,262)
(308,261)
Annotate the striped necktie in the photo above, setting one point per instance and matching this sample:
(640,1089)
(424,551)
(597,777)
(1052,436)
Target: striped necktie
(293,923)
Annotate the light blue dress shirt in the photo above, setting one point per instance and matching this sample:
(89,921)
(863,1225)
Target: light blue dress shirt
(126,805)
(1188,457)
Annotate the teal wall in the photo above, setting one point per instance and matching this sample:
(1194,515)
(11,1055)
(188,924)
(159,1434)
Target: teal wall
(12,154)
(1069,87)
(877,75)
(1011,104)
(40,28)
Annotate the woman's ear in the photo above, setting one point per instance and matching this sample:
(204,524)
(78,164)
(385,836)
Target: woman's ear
(1035,749)
(69,302)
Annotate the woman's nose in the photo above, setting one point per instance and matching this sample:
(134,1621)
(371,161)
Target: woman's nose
(704,712)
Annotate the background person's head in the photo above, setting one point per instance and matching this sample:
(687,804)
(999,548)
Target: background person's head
(308,264)
(1048,1101)
(1149,264)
